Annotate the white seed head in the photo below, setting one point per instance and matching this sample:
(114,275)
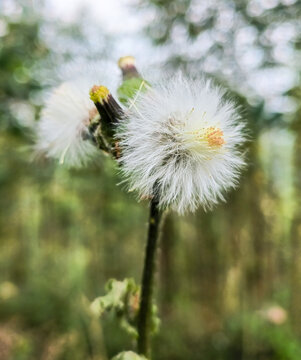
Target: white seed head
(62,131)
(181,141)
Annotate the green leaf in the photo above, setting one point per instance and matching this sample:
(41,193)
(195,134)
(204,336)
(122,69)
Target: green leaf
(130,87)
(117,292)
(122,298)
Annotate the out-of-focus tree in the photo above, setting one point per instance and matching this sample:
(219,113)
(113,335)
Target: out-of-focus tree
(252,45)
(32,252)
(21,47)
(296,223)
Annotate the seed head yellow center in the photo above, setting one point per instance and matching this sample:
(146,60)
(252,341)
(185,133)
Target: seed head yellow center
(210,137)
(214,137)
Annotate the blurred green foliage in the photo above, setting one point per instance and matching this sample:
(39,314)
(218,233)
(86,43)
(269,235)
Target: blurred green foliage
(229,281)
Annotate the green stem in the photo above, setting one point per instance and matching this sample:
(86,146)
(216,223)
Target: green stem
(145,310)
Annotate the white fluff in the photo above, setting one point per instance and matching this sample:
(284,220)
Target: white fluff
(181,141)
(63,125)
(63,128)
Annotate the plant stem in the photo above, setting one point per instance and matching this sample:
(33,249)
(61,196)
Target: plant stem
(145,310)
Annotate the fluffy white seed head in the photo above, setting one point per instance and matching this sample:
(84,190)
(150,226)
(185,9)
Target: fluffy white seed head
(62,131)
(63,128)
(181,141)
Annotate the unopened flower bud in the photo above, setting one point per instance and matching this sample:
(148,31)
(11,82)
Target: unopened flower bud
(128,68)
(109,110)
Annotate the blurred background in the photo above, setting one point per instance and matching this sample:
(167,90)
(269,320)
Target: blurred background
(229,280)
